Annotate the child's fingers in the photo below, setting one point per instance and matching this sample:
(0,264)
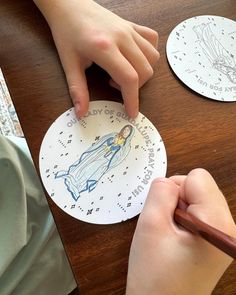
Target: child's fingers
(137,58)
(160,204)
(201,189)
(113,84)
(178,179)
(207,202)
(151,53)
(78,89)
(123,74)
(74,69)
(147,33)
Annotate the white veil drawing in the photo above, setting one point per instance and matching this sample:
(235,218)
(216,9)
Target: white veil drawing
(219,57)
(108,152)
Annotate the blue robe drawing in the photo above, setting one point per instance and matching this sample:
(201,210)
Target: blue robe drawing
(107,153)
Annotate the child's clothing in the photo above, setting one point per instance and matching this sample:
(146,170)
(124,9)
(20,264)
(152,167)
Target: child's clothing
(32,258)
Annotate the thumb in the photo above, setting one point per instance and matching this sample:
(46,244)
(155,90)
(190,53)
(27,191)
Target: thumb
(206,201)
(160,204)
(200,189)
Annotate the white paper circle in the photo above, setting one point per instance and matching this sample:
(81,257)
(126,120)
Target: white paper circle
(99,168)
(202,53)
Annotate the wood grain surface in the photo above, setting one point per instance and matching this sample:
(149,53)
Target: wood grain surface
(197,132)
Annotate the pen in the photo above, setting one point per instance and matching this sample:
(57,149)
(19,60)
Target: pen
(214,236)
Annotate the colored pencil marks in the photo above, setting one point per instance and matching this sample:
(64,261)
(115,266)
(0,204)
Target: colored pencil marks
(99,168)
(96,161)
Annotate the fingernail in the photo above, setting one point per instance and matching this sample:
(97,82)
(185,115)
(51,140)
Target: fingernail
(162,179)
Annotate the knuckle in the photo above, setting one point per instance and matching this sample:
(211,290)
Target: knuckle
(155,35)
(148,222)
(154,57)
(120,33)
(131,77)
(157,55)
(199,172)
(101,42)
(149,72)
(73,90)
(146,75)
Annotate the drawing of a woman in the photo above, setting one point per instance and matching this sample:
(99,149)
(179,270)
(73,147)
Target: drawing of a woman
(107,153)
(219,57)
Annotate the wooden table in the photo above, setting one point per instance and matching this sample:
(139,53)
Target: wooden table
(197,132)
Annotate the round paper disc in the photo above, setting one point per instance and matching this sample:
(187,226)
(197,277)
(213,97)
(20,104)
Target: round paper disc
(202,53)
(99,168)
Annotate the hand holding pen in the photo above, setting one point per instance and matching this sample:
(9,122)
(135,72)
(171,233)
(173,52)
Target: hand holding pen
(165,258)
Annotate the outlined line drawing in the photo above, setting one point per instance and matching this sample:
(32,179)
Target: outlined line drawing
(220,58)
(102,156)
(132,161)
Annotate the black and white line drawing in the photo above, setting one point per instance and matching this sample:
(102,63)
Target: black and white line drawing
(202,53)
(220,58)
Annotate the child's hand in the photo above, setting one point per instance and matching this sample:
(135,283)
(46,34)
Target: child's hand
(85,32)
(166,259)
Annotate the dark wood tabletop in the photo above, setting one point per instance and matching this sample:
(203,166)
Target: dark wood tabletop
(197,132)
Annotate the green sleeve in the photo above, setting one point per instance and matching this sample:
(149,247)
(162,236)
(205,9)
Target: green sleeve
(32,258)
